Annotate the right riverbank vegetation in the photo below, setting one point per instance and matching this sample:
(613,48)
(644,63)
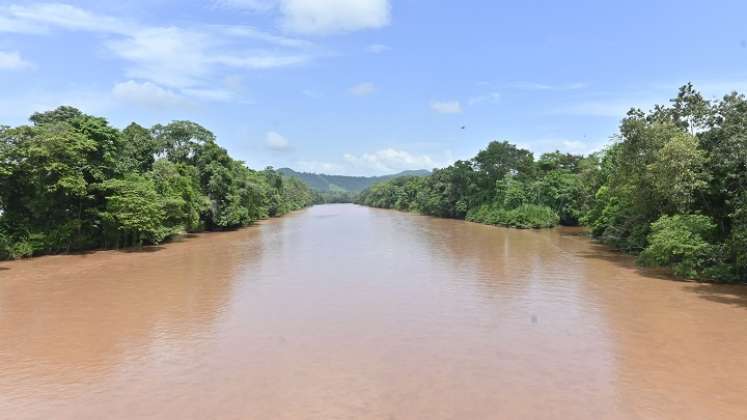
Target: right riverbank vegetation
(671,187)
(71,182)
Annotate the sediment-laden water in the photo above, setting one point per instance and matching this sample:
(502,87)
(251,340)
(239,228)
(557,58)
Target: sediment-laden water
(346,312)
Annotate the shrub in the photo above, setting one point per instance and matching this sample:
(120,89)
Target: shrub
(681,242)
(11,249)
(532,216)
(526,216)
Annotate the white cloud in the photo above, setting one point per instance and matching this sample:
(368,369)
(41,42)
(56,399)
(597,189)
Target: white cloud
(378,48)
(12,60)
(14,25)
(251,5)
(390,160)
(492,97)
(146,93)
(253,33)
(168,56)
(333,16)
(276,141)
(261,60)
(320,17)
(57,15)
(380,162)
(363,89)
(446,107)
(188,56)
(319,167)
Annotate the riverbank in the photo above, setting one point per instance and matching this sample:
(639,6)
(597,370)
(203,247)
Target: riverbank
(145,249)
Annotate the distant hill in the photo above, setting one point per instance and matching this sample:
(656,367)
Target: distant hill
(342,183)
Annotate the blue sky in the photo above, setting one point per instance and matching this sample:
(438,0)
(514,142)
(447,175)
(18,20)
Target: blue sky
(368,87)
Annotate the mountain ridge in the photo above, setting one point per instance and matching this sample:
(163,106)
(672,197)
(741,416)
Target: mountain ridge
(345,183)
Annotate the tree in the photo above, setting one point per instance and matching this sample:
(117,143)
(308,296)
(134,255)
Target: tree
(678,173)
(498,160)
(139,149)
(181,140)
(179,189)
(70,181)
(682,242)
(134,212)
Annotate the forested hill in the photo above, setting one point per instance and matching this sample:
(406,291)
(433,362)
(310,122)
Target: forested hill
(342,183)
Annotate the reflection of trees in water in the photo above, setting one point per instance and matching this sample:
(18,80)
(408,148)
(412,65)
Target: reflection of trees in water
(70,317)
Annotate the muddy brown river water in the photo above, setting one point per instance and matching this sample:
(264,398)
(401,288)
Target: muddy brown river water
(346,312)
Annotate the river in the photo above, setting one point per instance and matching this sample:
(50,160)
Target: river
(347,312)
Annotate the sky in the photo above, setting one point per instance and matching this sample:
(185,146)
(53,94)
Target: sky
(369,87)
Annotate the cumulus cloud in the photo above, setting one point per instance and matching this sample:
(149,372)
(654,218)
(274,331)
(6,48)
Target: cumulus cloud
(363,89)
(146,93)
(446,107)
(275,141)
(316,166)
(390,160)
(12,60)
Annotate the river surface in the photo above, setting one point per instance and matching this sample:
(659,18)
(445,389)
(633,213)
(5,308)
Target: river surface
(347,312)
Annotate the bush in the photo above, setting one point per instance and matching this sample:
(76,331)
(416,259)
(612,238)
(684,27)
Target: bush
(681,242)
(11,249)
(532,216)
(526,216)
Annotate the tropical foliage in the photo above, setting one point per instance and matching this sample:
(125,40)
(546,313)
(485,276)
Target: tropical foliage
(671,186)
(70,181)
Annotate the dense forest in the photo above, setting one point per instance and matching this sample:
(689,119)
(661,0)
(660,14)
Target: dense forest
(324,183)
(671,187)
(70,181)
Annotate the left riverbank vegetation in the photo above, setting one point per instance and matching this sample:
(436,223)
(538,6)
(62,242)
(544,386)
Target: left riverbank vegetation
(671,187)
(72,182)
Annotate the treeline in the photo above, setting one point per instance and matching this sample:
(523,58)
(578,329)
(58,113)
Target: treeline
(70,181)
(671,187)
(334,197)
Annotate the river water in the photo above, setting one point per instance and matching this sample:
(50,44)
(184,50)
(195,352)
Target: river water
(347,312)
